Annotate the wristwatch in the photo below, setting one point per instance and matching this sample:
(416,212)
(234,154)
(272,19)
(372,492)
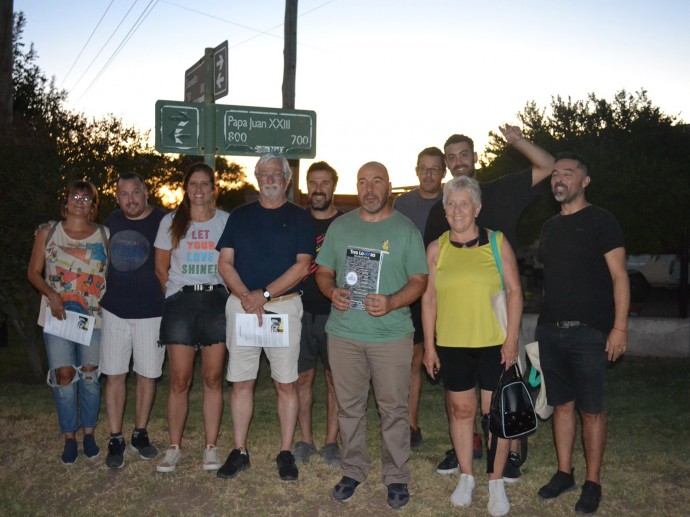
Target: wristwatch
(267,295)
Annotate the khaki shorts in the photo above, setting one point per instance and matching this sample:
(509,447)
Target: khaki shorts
(243,362)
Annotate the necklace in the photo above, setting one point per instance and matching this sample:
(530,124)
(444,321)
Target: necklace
(467,244)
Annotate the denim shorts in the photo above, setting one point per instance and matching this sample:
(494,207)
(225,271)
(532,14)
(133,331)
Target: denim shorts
(194,318)
(463,368)
(573,362)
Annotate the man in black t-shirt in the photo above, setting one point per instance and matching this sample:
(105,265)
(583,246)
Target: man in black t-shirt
(583,323)
(321,182)
(503,201)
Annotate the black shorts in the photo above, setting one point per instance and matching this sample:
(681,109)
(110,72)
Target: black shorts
(463,368)
(416,313)
(194,318)
(313,342)
(573,363)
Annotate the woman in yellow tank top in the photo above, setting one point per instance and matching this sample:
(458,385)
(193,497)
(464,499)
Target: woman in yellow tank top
(464,342)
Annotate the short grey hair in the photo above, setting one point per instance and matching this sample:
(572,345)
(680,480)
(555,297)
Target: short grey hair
(287,171)
(463,184)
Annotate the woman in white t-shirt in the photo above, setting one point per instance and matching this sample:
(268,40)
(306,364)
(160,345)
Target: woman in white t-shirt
(194,309)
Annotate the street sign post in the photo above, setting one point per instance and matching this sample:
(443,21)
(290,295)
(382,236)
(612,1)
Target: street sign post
(195,76)
(239,130)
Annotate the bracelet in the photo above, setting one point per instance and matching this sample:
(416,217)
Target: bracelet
(620,330)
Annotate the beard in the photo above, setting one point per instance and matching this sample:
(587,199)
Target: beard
(462,170)
(563,194)
(373,204)
(320,202)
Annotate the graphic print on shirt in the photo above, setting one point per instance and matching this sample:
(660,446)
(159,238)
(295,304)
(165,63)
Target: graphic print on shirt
(78,274)
(201,254)
(129,250)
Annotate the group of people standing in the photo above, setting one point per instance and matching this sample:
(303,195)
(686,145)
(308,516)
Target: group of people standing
(378,294)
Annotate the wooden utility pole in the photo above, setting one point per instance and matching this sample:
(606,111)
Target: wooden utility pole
(289,73)
(6,60)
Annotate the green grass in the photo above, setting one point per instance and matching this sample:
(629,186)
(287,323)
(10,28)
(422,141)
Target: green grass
(645,470)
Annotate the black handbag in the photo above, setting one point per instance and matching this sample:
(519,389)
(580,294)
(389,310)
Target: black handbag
(512,412)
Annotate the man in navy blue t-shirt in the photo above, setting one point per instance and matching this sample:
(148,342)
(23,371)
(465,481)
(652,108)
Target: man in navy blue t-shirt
(132,310)
(265,252)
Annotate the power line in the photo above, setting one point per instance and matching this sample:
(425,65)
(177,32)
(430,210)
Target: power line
(105,44)
(258,31)
(147,10)
(87,42)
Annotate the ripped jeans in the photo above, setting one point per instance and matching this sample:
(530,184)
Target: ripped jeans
(78,402)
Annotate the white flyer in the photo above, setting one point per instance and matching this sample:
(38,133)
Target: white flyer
(273,333)
(75,327)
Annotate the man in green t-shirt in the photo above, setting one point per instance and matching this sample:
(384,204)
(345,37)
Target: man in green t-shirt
(372,265)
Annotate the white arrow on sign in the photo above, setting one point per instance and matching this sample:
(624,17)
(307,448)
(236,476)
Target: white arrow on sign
(220,62)
(178,131)
(220,79)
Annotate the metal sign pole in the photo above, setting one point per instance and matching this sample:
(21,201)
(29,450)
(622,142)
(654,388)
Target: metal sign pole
(209,111)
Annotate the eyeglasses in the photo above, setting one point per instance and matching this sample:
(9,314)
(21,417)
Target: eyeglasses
(80,198)
(434,171)
(277,175)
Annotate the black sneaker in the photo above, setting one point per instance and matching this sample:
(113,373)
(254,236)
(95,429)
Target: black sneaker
(416,437)
(345,489)
(559,484)
(589,499)
(449,464)
(398,495)
(511,472)
(141,444)
(116,453)
(237,462)
(287,470)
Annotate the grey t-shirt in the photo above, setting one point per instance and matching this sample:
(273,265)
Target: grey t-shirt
(415,207)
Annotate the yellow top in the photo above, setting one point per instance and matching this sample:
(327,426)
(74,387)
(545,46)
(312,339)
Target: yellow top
(466,279)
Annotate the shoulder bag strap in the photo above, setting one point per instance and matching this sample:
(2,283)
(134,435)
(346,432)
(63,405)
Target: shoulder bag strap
(49,236)
(106,245)
(497,256)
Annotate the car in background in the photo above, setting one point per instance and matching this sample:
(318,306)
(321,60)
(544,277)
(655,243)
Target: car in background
(647,271)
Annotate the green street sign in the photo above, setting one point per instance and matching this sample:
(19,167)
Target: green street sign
(179,127)
(252,131)
(188,128)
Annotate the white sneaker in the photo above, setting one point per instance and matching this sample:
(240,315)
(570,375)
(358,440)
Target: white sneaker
(211,459)
(170,460)
(462,495)
(498,502)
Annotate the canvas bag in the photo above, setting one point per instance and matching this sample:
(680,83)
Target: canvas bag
(544,411)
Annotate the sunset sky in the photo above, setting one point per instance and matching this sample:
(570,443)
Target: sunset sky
(386,78)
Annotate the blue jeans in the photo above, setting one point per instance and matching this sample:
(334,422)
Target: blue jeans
(84,387)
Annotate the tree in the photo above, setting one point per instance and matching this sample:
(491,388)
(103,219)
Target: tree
(52,146)
(639,164)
